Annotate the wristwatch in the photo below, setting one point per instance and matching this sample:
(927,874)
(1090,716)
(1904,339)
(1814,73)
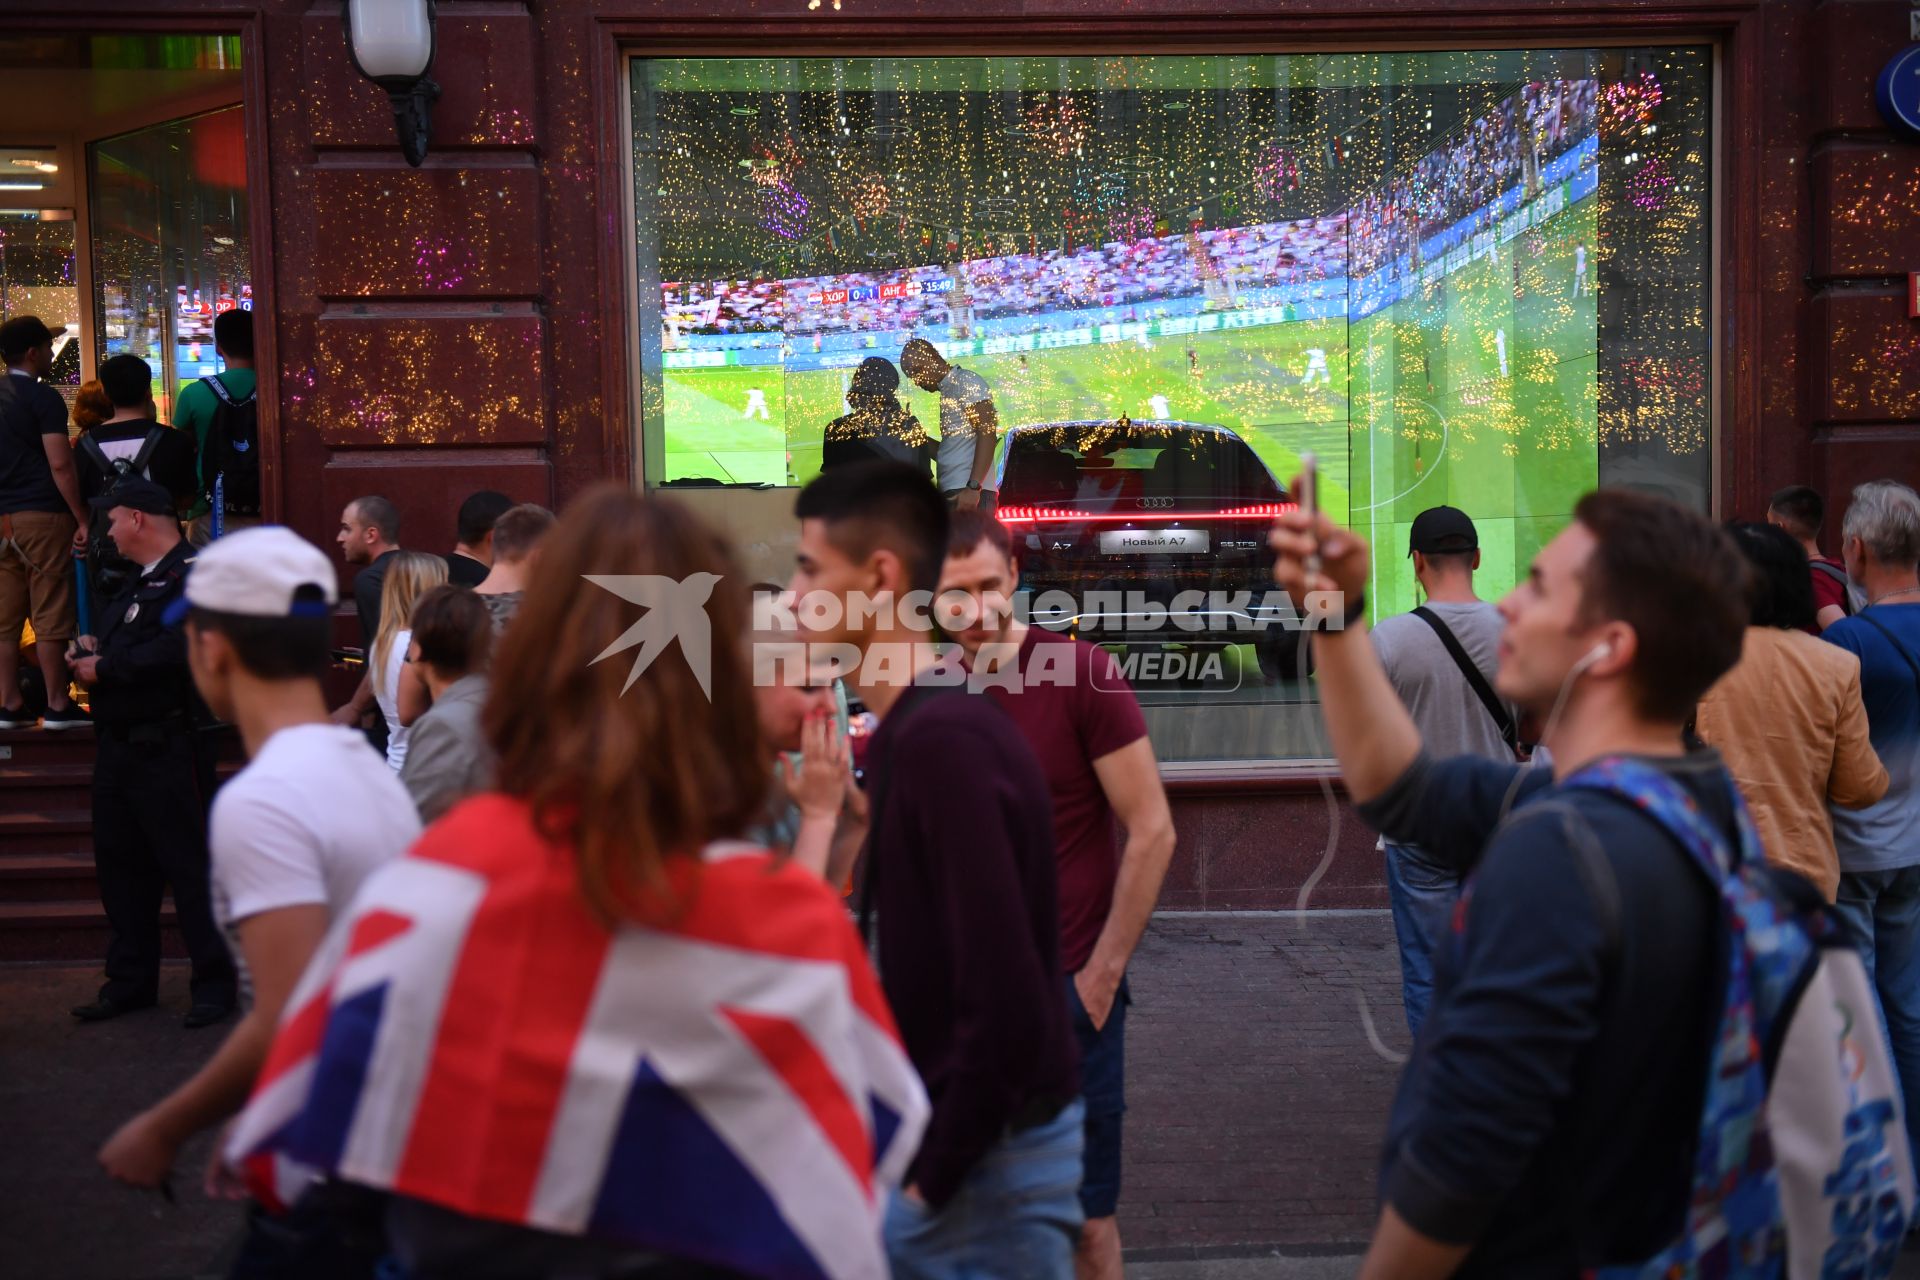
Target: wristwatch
(973,485)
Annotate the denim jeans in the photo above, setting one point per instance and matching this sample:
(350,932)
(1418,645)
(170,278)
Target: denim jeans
(1423,892)
(1103,1087)
(1881,910)
(1016,1216)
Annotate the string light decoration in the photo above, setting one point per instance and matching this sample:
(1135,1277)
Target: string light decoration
(1648,184)
(443,262)
(1055,126)
(867,197)
(905,169)
(1653,386)
(1277,173)
(785,211)
(1630,103)
(1136,223)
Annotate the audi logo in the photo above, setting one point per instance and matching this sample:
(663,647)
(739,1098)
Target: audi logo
(1153,503)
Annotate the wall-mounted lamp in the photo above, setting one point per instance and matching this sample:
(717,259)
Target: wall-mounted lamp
(391,42)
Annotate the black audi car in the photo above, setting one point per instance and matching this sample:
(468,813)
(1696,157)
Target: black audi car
(1157,531)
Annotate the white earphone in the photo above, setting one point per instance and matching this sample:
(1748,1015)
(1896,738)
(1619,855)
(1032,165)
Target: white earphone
(1598,653)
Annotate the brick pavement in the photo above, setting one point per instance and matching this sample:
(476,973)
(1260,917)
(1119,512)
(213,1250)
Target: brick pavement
(1257,1110)
(1256,1103)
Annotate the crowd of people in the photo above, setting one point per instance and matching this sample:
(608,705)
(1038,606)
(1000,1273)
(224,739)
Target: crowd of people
(1507,147)
(1494,153)
(1140,272)
(647,826)
(597,933)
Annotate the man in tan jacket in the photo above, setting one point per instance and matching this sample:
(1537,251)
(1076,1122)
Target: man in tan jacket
(1788,718)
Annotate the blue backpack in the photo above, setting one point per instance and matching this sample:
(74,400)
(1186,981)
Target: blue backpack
(1802,1167)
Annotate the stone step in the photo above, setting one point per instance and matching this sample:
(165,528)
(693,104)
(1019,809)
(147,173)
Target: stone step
(47,831)
(47,877)
(34,747)
(67,929)
(37,788)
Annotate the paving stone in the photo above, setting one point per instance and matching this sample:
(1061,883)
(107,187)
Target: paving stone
(1258,1105)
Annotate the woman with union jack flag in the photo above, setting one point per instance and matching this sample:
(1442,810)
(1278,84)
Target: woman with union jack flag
(584,1027)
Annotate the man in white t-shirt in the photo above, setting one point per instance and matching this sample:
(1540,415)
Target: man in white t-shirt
(293,834)
(969,425)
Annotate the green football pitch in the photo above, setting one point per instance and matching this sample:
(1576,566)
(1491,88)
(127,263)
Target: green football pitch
(1477,390)
(1253,380)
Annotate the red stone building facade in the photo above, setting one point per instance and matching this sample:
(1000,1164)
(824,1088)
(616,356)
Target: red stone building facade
(467,324)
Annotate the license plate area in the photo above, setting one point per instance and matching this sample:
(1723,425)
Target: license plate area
(1153,542)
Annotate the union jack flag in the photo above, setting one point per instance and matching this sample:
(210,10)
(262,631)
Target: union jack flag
(728,1088)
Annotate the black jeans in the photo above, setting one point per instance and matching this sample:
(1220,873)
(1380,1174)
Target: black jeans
(149,833)
(336,1231)
(431,1243)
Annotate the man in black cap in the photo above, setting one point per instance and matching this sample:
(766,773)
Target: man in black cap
(42,523)
(151,780)
(1441,659)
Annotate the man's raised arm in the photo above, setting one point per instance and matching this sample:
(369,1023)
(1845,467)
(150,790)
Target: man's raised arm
(1373,737)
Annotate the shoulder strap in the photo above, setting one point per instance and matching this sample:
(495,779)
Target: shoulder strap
(1839,576)
(1663,800)
(1509,731)
(98,456)
(156,434)
(226,397)
(1866,615)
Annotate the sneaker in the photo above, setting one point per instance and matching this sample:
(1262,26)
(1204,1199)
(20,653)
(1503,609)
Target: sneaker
(71,716)
(18,718)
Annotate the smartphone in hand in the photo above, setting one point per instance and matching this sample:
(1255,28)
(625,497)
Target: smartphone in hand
(1308,496)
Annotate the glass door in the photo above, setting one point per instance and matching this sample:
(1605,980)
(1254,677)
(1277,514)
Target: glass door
(170,246)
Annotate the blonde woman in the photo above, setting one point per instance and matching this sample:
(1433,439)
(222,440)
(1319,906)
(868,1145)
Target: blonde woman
(411,575)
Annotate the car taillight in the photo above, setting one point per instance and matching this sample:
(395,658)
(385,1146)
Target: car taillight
(1150,515)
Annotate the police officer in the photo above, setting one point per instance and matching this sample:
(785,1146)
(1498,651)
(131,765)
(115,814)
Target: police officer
(150,781)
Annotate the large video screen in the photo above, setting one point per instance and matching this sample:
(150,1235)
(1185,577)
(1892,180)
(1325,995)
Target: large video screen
(1475,278)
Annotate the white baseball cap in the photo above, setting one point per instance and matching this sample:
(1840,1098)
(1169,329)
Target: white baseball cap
(260,573)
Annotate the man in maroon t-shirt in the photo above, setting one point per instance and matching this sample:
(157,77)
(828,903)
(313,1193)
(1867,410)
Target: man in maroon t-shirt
(1799,510)
(1080,717)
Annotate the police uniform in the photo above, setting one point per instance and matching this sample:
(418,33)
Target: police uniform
(152,784)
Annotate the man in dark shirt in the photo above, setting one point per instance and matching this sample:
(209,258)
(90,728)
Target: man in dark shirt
(1546,1122)
(43,524)
(1079,715)
(473,546)
(960,874)
(128,382)
(369,536)
(152,780)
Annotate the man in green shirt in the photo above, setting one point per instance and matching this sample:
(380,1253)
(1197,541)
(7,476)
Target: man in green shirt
(233,339)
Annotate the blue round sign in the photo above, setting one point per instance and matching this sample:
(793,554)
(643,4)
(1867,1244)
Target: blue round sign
(1899,91)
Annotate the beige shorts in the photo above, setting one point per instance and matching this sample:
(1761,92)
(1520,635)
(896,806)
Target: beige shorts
(36,575)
